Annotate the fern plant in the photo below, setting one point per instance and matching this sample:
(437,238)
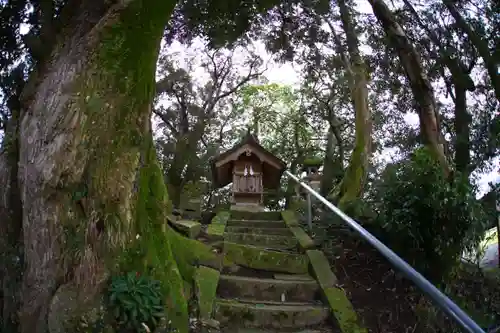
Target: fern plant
(135,301)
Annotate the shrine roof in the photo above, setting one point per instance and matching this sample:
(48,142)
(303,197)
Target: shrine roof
(251,143)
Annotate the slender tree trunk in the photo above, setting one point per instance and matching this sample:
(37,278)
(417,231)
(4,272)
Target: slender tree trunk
(420,85)
(481,45)
(462,132)
(333,167)
(352,185)
(294,166)
(88,176)
(174,174)
(184,157)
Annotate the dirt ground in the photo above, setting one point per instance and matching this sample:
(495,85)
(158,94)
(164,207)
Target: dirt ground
(387,302)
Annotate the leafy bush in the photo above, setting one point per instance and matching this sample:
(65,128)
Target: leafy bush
(134,300)
(427,217)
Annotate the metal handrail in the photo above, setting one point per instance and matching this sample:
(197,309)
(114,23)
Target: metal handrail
(446,304)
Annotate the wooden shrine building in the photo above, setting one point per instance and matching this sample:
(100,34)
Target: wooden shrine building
(252,169)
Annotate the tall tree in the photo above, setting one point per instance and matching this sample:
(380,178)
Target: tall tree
(81,158)
(354,179)
(461,83)
(195,104)
(420,85)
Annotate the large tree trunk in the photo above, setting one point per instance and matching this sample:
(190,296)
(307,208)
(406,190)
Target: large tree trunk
(481,45)
(420,85)
(88,175)
(352,185)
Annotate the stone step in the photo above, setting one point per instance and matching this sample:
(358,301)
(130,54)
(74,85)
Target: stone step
(242,215)
(259,330)
(270,314)
(242,287)
(260,231)
(261,259)
(266,241)
(257,223)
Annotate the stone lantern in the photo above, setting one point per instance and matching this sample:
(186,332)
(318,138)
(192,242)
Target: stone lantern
(313,175)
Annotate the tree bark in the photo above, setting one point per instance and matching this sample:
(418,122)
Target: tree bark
(481,45)
(11,245)
(462,131)
(333,167)
(290,189)
(420,85)
(352,185)
(184,157)
(88,176)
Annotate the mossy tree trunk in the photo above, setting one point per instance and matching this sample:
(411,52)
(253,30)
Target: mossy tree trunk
(420,85)
(87,173)
(352,185)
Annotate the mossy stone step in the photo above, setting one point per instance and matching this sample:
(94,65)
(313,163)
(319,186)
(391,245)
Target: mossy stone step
(242,215)
(258,258)
(242,287)
(267,241)
(259,330)
(257,223)
(260,231)
(189,228)
(270,314)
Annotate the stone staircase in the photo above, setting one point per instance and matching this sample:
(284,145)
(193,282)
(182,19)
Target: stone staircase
(269,287)
(272,280)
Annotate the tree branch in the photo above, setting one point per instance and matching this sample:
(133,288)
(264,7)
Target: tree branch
(167,122)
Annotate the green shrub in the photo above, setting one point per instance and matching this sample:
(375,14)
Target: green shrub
(134,300)
(426,217)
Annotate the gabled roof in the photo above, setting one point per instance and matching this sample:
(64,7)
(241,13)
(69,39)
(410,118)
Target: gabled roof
(251,142)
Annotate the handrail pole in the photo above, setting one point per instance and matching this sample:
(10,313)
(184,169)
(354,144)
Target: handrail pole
(309,211)
(446,304)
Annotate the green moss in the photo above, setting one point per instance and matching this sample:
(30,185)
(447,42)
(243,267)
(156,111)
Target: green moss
(270,241)
(189,228)
(321,268)
(289,218)
(339,303)
(253,257)
(304,240)
(218,225)
(189,252)
(206,281)
(343,311)
(293,224)
(155,242)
